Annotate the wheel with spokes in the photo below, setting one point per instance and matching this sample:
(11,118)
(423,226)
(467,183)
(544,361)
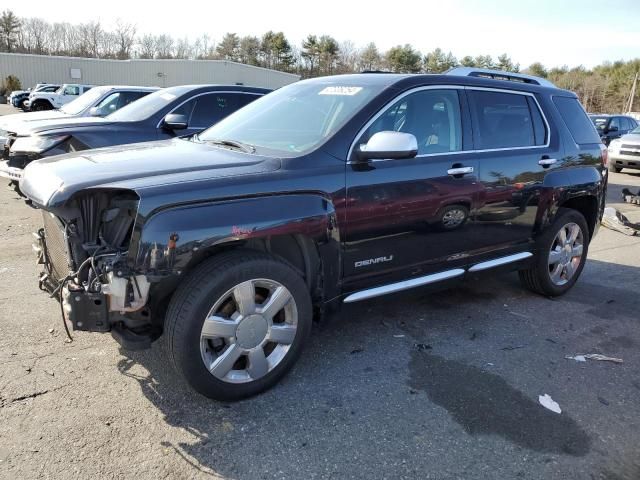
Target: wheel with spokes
(561,255)
(237,324)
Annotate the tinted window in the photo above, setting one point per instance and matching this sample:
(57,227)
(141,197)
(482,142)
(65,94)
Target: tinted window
(615,123)
(503,120)
(185,109)
(626,124)
(214,107)
(432,116)
(72,90)
(574,116)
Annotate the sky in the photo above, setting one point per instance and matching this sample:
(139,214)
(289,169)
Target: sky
(554,32)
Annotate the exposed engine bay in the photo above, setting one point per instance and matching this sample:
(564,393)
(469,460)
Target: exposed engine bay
(83,247)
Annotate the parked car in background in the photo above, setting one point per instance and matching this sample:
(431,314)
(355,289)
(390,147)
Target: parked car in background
(45,88)
(19,97)
(624,152)
(97,102)
(167,113)
(323,192)
(50,100)
(613,126)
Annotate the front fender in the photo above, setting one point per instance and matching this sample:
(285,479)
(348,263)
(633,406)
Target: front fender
(170,239)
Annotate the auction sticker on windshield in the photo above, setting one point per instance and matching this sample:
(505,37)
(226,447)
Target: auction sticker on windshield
(334,90)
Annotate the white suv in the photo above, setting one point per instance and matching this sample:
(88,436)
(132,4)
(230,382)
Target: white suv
(49,100)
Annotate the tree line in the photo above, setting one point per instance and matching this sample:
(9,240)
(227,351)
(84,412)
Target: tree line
(604,88)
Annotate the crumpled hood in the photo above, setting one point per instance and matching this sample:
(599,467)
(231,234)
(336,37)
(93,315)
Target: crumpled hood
(38,127)
(12,122)
(51,181)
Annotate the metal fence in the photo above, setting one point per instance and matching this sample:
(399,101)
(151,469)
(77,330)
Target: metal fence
(32,69)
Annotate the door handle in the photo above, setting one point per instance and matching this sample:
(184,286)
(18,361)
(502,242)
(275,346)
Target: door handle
(460,170)
(546,162)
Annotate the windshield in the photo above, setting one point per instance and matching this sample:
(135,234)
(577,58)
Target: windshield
(147,106)
(293,120)
(635,130)
(84,101)
(599,122)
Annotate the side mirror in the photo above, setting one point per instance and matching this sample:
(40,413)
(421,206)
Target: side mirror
(95,112)
(175,121)
(389,144)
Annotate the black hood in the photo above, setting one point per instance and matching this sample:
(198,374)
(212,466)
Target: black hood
(51,181)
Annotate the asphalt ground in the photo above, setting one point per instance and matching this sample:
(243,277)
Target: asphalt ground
(416,385)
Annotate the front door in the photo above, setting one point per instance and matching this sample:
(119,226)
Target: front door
(412,215)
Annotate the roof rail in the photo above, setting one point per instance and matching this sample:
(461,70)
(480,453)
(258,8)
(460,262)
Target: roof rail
(499,75)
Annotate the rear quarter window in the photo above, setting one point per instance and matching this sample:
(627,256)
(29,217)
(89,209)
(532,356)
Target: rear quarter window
(581,128)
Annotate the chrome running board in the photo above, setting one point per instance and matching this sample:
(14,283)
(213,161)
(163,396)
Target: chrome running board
(433,278)
(500,261)
(403,285)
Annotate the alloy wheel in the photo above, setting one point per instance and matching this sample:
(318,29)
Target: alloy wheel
(249,331)
(565,254)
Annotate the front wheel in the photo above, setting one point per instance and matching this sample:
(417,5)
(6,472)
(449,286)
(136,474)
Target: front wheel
(237,324)
(41,106)
(561,255)
(613,168)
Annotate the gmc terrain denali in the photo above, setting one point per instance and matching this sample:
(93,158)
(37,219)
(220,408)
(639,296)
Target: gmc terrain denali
(329,190)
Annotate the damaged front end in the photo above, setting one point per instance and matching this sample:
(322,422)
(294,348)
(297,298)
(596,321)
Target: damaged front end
(84,248)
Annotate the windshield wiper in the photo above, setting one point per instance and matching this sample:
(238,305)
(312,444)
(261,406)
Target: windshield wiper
(245,147)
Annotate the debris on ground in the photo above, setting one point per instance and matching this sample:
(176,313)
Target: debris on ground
(513,347)
(357,350)
(630,197)
(398,336)
(593,356)
(547,402)
(603,401)
(577,358)
(422,346)
(615,220)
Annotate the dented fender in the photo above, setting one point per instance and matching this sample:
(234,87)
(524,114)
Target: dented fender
(170,239)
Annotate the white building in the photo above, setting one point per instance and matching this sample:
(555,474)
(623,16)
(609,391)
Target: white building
(32,69)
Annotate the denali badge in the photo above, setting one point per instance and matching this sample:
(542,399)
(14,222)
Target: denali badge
(372,261)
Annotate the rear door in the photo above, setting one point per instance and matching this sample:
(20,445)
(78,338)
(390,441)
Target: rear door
(515,150)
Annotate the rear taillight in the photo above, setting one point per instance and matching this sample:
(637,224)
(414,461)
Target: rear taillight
(605,155)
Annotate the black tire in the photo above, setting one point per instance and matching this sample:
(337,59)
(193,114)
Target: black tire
(21,105)
(613,168)
(538,278)
(461,210)
(197,295)
(41,106)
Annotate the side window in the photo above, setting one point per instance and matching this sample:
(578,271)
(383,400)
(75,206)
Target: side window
(575,118)
(432,116)
(109,104)
(186,108)
(72,90)
(626,124)
(127,97)
(213,107)
(615,123)
(505,120)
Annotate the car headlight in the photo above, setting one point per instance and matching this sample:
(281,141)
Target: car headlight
(37,143)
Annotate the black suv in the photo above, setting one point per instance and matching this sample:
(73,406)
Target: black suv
(330,190)
(611,127)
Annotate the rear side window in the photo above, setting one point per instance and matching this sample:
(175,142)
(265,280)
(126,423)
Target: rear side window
(577,121)
(505,120)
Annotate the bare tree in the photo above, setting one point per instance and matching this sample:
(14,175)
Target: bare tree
(147,46)
(125,36)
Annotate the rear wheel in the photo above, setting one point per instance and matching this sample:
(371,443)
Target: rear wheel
(562,252)
(238,324)
(613,168)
